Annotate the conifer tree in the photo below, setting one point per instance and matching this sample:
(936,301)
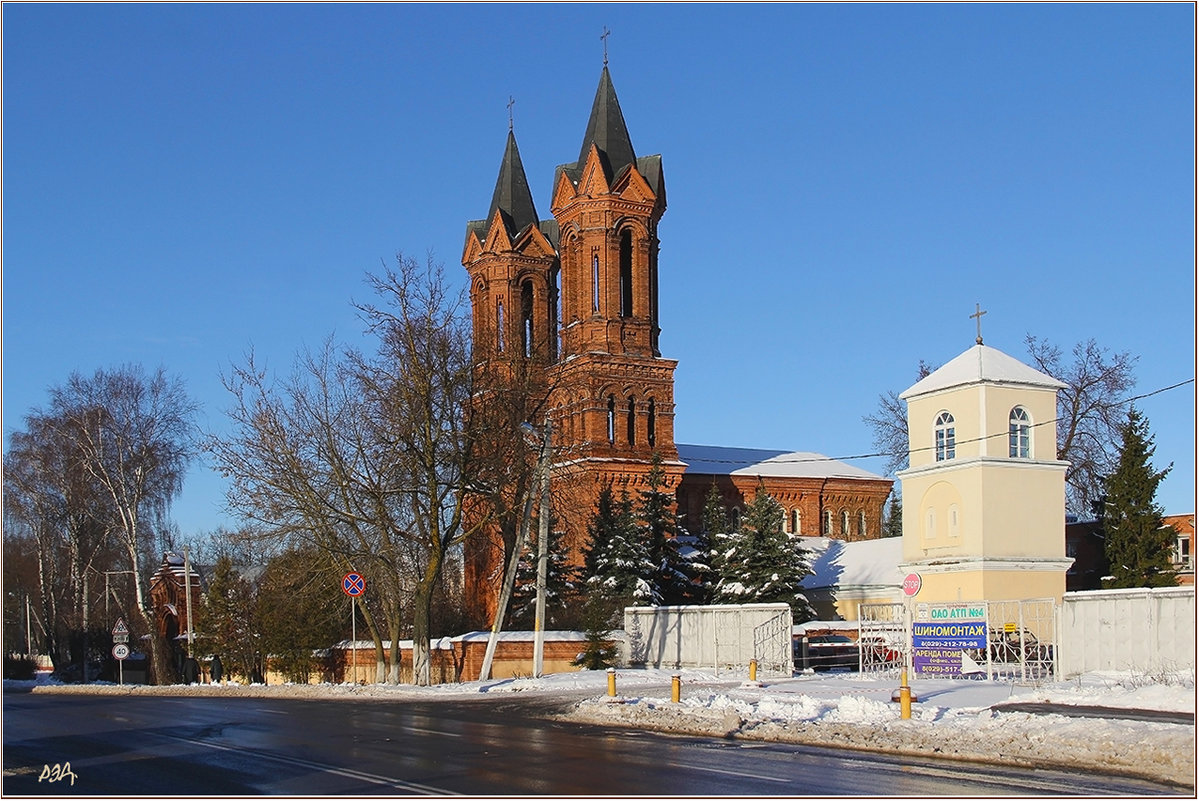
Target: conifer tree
(759,563)
(893,525)
(558,587)
(672,576)
(1138,545)
(617,563)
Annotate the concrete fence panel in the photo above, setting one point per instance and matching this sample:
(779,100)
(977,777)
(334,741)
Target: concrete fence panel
(1144,630)
(717,636)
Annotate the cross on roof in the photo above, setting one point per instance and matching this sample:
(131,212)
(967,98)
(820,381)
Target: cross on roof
(511,103)
(604,36)
(978,320)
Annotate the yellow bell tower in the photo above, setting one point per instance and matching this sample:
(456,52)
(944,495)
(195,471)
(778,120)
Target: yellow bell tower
(984,493)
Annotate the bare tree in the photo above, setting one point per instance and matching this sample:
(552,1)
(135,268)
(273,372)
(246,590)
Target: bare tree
(889,426)
(366,456)
(1090,413)
(1089,423)
(131,434)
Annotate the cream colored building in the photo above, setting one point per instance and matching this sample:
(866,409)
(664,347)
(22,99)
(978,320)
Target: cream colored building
(984,494)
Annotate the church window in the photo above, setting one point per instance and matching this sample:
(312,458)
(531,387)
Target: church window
(953,521)
(944,436)
(861,524)
(845,524)
(611,420)
(526,316)
(650,434)
(632,423)
(828,522)
(796,522)
(499,325)
(1018,433)
(626,273)
(930,524)
(595,284)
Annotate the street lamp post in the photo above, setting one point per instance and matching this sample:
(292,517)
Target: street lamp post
(543,541)
(501,607)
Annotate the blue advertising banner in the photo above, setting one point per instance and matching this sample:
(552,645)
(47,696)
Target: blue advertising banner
(950,636)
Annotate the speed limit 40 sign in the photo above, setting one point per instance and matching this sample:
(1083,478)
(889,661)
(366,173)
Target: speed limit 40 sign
(120,651)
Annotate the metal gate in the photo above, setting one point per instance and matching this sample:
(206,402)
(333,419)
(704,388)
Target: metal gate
(1022,640)
(883,638)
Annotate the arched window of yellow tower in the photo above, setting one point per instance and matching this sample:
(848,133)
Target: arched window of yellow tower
(944,436)
(1019,436)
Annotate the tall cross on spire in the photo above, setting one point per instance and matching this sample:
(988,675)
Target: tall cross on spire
(604,36)
(978,321)
(511,103)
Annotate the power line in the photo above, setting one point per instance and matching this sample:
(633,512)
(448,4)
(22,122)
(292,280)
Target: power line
(818,458)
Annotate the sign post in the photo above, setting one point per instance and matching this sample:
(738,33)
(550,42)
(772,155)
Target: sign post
(120,648)
(353,585)
(911,586)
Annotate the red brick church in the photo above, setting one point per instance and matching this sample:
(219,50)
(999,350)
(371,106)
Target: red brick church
(574,299)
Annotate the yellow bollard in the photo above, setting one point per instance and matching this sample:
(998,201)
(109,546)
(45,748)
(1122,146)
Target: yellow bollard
(674,688)
(753,670)
(611,682)
(905,697)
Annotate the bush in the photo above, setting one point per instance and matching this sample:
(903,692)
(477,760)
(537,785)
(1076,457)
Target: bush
(600,652)
(20,668)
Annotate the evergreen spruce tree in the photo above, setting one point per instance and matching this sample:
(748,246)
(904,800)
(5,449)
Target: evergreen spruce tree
(759,562)
(225,620)
(617,563)
(1138,546)
(893,525)
(558,587)
(672,576)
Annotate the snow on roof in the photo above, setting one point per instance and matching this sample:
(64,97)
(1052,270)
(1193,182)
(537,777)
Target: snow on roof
(981,363)
(720,461)
(853,564)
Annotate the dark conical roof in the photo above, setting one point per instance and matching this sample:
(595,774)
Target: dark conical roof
(607,130)
(512,196)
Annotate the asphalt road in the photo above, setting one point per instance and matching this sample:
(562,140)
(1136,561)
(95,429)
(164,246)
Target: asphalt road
(98,745)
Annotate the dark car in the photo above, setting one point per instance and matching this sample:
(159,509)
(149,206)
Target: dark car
(826,652)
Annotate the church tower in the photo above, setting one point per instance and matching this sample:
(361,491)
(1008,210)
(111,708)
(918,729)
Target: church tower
(612,393)
(984,498)
(570,307)
(512,262)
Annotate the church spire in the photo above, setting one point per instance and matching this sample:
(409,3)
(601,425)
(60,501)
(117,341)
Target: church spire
(512,197)
(607,130)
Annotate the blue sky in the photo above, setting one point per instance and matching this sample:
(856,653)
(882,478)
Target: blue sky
(185,182)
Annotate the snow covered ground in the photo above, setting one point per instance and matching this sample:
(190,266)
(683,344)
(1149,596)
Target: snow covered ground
(951,718)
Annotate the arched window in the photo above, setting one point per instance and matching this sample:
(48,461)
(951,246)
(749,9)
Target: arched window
(526,318)
(595,285)
(953,520)
(828,522)
(631,423)
(626,273)
(861,524)
(611,420)
(499,325)
(930,524)
(845,523)
(944,436)
(796,522)
(650,434)
(1018,427)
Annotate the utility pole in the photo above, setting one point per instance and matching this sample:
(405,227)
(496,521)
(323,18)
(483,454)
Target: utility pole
(187,599)
(522,537)
(543,539)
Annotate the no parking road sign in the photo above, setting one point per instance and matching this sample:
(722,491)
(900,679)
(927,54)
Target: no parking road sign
(353,585)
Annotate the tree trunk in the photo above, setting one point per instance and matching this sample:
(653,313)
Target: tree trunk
(422,613)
